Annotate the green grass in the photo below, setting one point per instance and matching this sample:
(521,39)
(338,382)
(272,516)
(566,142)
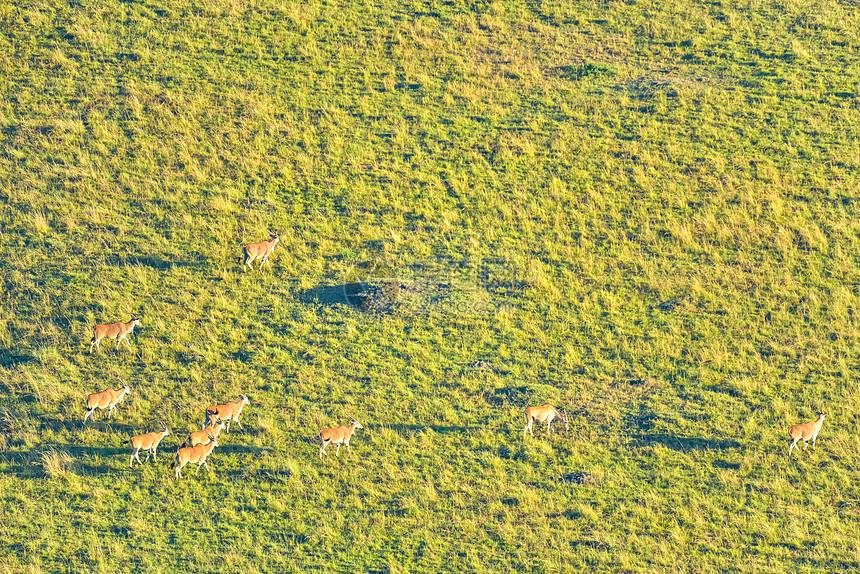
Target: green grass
(673,190)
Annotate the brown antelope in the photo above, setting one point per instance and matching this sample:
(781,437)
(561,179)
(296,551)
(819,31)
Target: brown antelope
(339,436)
(199,437)
(806,431)
(227,412)
(546,413)
(197,454)
(107,399)
(118,331)
(148,442)
(260,251)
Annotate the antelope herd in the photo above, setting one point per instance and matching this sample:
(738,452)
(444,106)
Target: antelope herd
(200,443)
(217,418)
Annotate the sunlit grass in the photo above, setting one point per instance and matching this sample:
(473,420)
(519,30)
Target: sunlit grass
(672,190)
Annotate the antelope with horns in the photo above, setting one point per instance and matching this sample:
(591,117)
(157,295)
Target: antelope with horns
(546,413)
(107,399)
(806,431)
(197,454)
(260,251)
(199,437)
(339,436)
(227,412)
(118,331)
(148,442)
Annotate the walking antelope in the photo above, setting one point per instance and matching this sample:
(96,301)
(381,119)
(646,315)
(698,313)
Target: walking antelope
(148,442)
(107,399)
(260,251)
(339,436)
(197,454)
(806,431)
(199,437)
(227,412)
(546,413)
(118,331)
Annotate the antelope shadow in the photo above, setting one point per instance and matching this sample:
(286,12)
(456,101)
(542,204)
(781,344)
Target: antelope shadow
(275,474)
(153,261)
(314,440)
(278,476)
(682,444)
(113,427)
(415,428)
(350,294)
(88,451)
(10,359)
(29,464)
(23,470)
(510,396)
(237,448)
(47,421)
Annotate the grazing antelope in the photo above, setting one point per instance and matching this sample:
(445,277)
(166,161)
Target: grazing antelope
(197,454)
(107,399)
(227,412)
(260,251)
(118,331)
(339,436)
(199,437)
(148,442)
(546,413)
(806,431)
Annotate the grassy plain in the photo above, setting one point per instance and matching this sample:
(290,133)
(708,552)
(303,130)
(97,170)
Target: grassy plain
(672,185)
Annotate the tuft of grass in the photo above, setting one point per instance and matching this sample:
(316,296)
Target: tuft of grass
(56,464)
